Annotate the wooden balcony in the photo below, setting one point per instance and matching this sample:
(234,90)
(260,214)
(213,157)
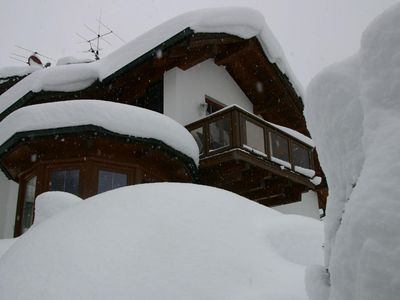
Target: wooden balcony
(243,153)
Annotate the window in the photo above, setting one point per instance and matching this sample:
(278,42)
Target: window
(254,136)
(213,106)
(279,146)
(219,133)
(198,137)
(111,180)
(65,181)
(300,156)
(29,204)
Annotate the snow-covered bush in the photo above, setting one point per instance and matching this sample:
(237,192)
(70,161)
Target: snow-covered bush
(353,113)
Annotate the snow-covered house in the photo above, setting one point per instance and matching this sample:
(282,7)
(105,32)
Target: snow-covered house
(218,72)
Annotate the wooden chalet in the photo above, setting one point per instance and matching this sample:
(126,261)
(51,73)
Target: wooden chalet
(247,151)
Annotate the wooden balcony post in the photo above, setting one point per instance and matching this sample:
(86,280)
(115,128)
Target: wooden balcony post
(236,129)
(206,138)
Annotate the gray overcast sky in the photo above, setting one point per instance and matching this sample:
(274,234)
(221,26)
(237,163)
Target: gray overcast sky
(313,33)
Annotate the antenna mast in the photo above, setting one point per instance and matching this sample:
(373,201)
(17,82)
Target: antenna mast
(94,42)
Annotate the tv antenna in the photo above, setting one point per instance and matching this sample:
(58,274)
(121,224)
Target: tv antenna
(94,42)
(30,57)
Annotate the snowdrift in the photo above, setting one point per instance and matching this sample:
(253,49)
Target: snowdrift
(161,241)
(353,114)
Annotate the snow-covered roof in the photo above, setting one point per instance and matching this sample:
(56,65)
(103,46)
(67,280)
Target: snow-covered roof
(118,118)
(6,72)
(70,60)
(242,22)
(161,241)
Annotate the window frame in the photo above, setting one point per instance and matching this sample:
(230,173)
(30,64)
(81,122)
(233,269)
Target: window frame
(213,103)
(115,170)
(308,150)
(18,228)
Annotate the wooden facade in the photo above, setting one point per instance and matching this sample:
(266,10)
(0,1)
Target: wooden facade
(87,151)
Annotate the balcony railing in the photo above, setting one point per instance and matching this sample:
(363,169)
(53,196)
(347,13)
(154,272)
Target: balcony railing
(235,128)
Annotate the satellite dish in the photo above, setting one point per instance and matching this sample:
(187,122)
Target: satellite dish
(33,60)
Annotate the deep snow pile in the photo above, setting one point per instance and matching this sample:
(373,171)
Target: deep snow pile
(242,22)
(353,113)
(162,241)
(116,117)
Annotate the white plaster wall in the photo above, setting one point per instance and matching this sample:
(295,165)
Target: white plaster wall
(8,206)
(184,91)
(308,206)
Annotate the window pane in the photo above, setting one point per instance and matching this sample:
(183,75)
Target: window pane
(111,180)
(300,156)
(65,181)
(279,146)
(29,200)
(255,136)
(219,133)
(198,136)
(213,106)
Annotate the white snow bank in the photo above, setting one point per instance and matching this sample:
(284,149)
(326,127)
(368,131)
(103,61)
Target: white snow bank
(163,241)
(115,117)
(18,71)
(242,22)
(353,113)
(52,203)
(5,244)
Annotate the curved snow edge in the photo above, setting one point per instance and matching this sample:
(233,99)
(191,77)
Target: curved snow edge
(115,117)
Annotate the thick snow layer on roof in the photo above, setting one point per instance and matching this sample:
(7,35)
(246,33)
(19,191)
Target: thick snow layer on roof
(115,117)
(70,60)
(5,244)
(17,71)
(242,22)
(66,78)
(163,241)
(353,113)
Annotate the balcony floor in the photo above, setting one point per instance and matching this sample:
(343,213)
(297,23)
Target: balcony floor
(253,177)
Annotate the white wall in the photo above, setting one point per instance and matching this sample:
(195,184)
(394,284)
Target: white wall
(308,206)
(8,206)
(184,91)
